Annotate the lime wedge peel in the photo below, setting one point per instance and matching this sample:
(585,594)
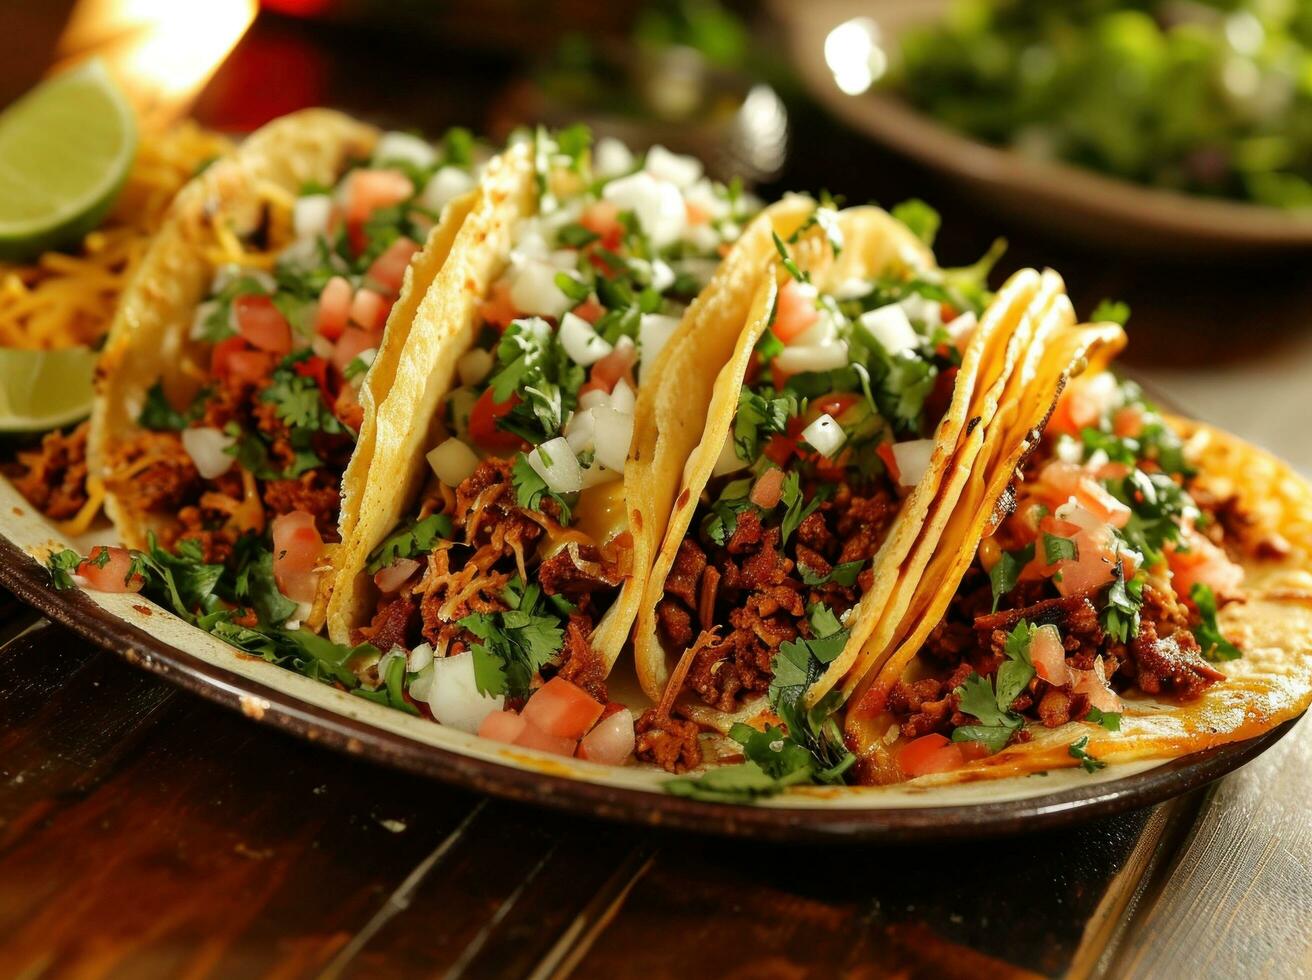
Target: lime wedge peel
(45,389)
(66,148)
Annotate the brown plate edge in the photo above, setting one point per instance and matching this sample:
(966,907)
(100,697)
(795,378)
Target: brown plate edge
(29,582)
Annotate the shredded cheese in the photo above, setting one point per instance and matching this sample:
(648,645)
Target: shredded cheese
(67,299)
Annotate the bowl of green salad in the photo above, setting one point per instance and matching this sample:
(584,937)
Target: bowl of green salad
(1180,125)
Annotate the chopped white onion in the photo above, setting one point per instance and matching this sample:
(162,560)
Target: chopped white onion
(795,360)
(622,398)
(419,658)
(614,432)
(889,325)
(322,346)
(594,398)
(679,170)
(960,329)
(728,461)
(582,343)
(206,447)
(445,185)
(654,332)
(454,696)
(310,215)
(611,158)
(927,311)
(657,204)
(1069,450)
(579,430)
(912,460)
(474,365)
(535,291)
(853,288)
(823,331)
(423,684)
(396,147)
(452,461)
(825,436)
(556,463)
(662,276)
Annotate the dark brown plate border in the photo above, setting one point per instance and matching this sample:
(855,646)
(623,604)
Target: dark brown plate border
(29,583)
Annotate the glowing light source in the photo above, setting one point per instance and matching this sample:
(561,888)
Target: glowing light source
(854,55)
(161,51)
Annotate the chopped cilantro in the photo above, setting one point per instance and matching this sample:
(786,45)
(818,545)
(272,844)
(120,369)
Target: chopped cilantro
(516,644)
(787,260)
(1110,720)
(1006,571)
(531,489)
(159,416)
(718,526)
(417,538)
(1120,617)
(1215,646)
(992,704)
(1079,750)
(1110,311)
(758,417)
(1057,549)
(922,220)
(844,574)
(795,511)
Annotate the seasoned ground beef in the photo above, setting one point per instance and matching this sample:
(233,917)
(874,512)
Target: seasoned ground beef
(581,663)
(165,483)
(53,477)
(315,491)
(670,743)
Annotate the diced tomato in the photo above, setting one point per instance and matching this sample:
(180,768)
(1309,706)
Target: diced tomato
(334,308)
(234,360)
(1049,656)
(767,489)
(929,754)
(885,452)
(317,368)
(603,220)
(498,310)
(562,709)
(115,575)
(833,405)
(297,551)
(1128,422)
(611,741)
(947,312)
(262,323)
(395,575)
(1082,404)
(368,191)
(533,737)
(353,342)
(695,214)
(794,313)
(590,310)
(1101,504)
(502,726)
(615,365)
(780,449)
(778,376)
(483,422)
(1093,685)
(369,309)
(1203,562)
(388,270)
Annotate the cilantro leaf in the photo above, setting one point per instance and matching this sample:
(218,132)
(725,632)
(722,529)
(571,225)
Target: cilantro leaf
(1110,720)
(922,220)
(62,566)
(795,511)
(1120,617)
(416,539)
(531,489)
(844,574)
(1006,571)
(787,261)
(158,415)
(1110,311)
(758,417)
(1079,750)
(1056,548)
(1215,646)
(517,643)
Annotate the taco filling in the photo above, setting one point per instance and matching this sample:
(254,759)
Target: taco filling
(269,412)
(832,430)
(1105,579)
(521,544)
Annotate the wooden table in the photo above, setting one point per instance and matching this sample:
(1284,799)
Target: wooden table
(147,833)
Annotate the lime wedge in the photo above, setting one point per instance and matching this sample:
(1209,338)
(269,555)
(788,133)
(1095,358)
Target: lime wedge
(65,149)
(44,389)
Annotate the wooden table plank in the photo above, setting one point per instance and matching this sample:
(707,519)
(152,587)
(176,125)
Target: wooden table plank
(1240,894)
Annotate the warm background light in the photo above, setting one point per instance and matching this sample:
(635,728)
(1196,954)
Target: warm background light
(162,51)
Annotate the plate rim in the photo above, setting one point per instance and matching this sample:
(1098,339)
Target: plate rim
(29,582)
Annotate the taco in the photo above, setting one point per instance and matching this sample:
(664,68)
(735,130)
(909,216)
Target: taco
(860,390)
(244,362)
(1142,588)
(521,480)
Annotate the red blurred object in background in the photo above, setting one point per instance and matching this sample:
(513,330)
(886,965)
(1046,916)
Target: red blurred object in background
(271,73)
(298,8)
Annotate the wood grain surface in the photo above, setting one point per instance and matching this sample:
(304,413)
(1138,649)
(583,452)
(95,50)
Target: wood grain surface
(145,833)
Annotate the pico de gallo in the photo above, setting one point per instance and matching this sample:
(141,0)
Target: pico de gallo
(1105,579)
(832,430)
(494,585)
